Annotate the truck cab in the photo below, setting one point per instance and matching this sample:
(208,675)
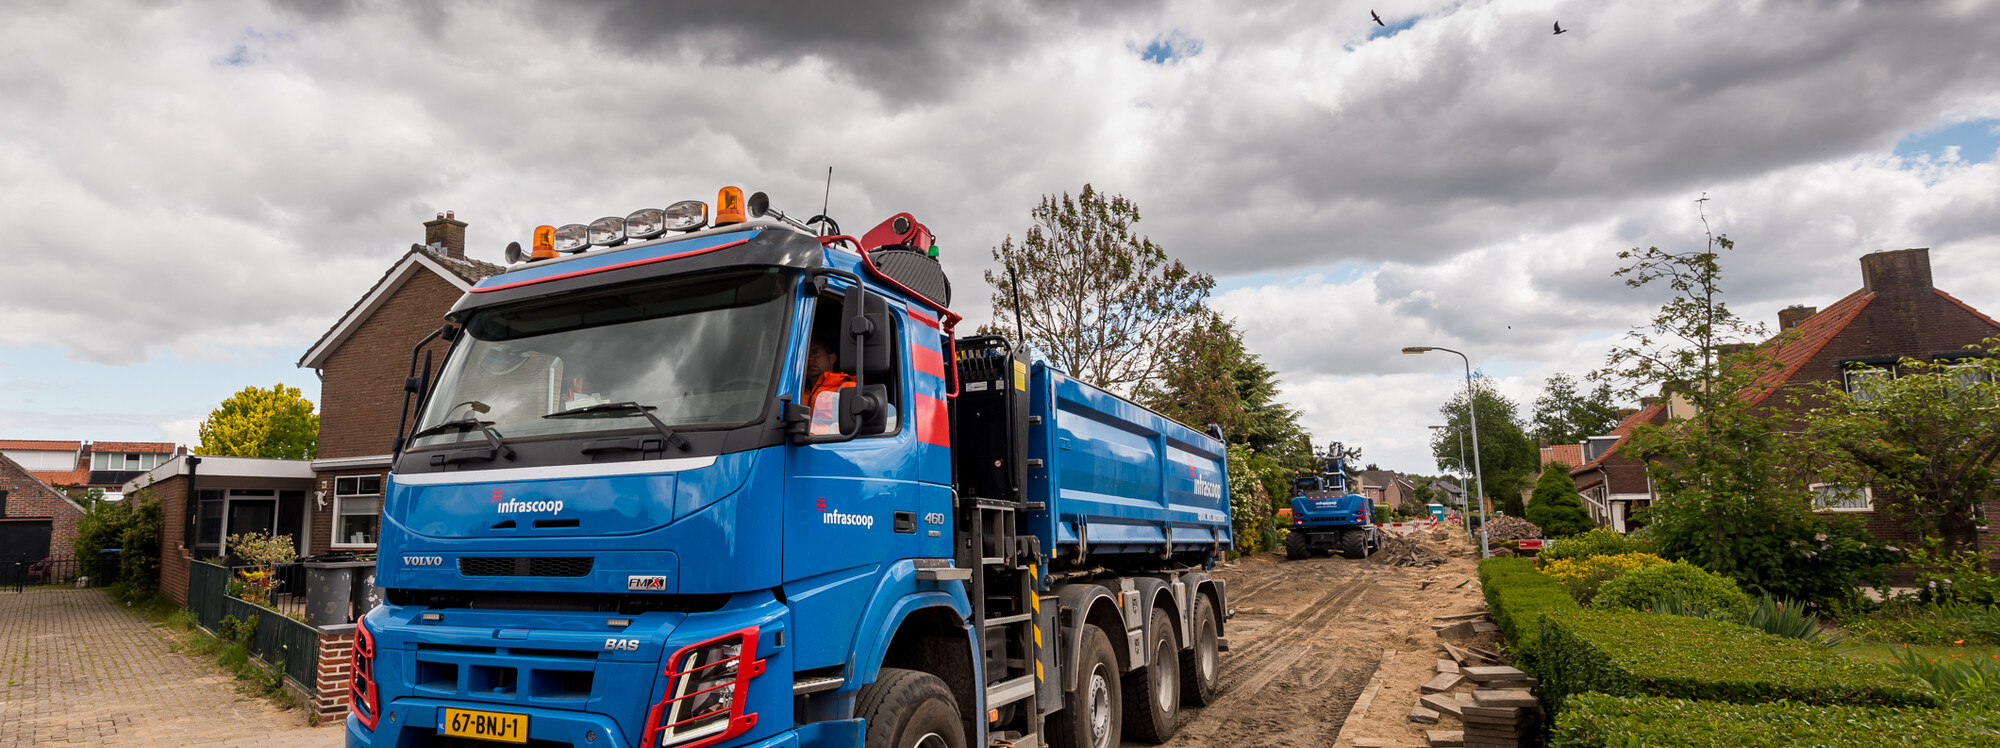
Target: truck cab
(732,485)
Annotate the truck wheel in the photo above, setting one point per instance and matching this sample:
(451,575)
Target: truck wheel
(1153,694)
(909,709)
(1354,544)
(1199,664)
(1091,714)
(1295,546)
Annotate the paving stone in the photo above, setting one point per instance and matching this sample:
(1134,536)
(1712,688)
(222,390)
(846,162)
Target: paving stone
(1421,715)
(1444,738)
(1505,697)
(1441,703)
(1441,682)
(1370,743)
(1484,627)
(1460,630)
(1490,673)
(1447,666)
(84,672)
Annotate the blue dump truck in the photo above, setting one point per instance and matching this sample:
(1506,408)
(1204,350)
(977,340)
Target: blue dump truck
(736,482)
(1327,515)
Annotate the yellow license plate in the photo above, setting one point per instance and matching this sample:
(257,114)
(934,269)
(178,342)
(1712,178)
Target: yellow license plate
(468,723)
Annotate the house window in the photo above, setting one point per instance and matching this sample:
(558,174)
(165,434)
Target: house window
(1833,497)
(357,509)
(1860,380)
(1963,371)
(208,519)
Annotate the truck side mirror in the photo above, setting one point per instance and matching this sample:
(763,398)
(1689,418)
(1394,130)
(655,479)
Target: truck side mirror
(864,336)
(864,409)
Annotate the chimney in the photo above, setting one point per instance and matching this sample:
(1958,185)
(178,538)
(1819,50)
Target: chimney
(1647,402)
(1903,272)
(1790,317)
(446,235)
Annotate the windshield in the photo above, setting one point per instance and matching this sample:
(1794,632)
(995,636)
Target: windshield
(692,352)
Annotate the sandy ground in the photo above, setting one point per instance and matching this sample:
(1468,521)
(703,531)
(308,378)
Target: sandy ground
(1311,636)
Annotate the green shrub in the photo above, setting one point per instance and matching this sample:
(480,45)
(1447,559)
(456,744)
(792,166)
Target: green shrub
(1599,542)
(1639,589)
(1959,577)
(1789,619)
(1516,598)
(1556,507)
(1909,622)
(1584,576)
(1637,654)
(1968,683)
(1599,720)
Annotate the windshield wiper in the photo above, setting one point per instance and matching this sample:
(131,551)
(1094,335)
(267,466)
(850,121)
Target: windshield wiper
(494,444)
(629,407)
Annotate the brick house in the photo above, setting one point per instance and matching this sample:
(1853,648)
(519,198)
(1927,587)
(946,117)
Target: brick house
(362,361)
(1897,313)
(1387,487)
(36,520)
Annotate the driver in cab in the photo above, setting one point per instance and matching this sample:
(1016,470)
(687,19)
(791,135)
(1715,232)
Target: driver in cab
(824,381)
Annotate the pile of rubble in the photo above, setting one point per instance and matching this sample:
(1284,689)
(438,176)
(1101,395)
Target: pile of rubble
(1399,550)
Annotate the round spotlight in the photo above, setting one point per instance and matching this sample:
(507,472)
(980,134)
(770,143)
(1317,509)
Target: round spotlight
(686,215)
(608,231)
(645,223)
(573,237)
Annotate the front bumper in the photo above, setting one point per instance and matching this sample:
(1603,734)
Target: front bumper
(416,720)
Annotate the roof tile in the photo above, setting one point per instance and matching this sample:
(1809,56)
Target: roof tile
(40,444)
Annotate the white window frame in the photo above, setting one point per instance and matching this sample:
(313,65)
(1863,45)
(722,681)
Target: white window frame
(333,525)
(1851,380)
(1867,495)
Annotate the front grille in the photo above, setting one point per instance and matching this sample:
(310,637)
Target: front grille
(525,566)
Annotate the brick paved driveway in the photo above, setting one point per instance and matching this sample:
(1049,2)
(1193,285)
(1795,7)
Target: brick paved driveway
(75,670)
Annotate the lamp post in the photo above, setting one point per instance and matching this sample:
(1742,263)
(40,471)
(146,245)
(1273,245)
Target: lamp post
(1472,410)
(1466,509)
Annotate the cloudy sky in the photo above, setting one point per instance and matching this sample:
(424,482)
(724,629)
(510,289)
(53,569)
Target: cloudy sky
(190,193)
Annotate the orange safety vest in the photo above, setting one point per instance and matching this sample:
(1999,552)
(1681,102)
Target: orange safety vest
(832,381)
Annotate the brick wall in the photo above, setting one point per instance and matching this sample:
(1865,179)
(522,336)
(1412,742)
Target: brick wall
(172,494)
(28,497)
(361,390)
(330,683)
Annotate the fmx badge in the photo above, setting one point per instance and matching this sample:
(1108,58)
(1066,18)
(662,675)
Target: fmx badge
(646,583)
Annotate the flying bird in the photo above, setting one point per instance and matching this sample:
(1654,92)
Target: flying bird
(1560,29)
(1378,19)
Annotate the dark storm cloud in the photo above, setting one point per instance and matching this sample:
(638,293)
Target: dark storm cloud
(907,51)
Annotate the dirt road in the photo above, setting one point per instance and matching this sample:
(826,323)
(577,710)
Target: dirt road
(1309,638)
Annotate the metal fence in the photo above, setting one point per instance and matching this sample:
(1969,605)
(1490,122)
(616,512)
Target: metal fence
(96,572)
(279,638)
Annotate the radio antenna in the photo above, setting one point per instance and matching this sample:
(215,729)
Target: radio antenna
(827,199)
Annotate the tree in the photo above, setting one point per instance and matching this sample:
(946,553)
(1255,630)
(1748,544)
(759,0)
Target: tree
(1507,456)
(1564,414)
(277,422)
(1733,494)
(1927,439)
(1556,507)
(1210,377)
(1101,301)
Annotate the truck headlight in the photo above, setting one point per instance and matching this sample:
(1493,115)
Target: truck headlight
(571,237)
(707,684)
(608,231)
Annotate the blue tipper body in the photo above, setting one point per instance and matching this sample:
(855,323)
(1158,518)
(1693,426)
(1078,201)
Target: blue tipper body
(560,586)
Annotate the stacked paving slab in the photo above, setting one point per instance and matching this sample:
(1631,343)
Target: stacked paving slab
(1504,714)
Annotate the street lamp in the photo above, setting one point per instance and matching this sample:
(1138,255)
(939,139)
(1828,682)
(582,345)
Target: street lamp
(1472,410)
(1465,509)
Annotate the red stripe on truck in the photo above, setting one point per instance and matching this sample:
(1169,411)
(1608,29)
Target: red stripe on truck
(933,426)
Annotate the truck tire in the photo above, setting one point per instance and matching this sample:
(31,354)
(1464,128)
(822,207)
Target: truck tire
(1296,546)
(1200,664)
(1153,693)
(1354,544)
(909,709)
(1091,715)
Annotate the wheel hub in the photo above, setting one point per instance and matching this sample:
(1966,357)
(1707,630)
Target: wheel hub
(1100,708)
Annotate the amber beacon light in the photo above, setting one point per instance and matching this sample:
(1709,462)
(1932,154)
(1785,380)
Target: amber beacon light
(729,206)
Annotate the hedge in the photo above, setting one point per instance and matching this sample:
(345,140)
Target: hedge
(1648,654)
(1516,597)
(1599,720)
